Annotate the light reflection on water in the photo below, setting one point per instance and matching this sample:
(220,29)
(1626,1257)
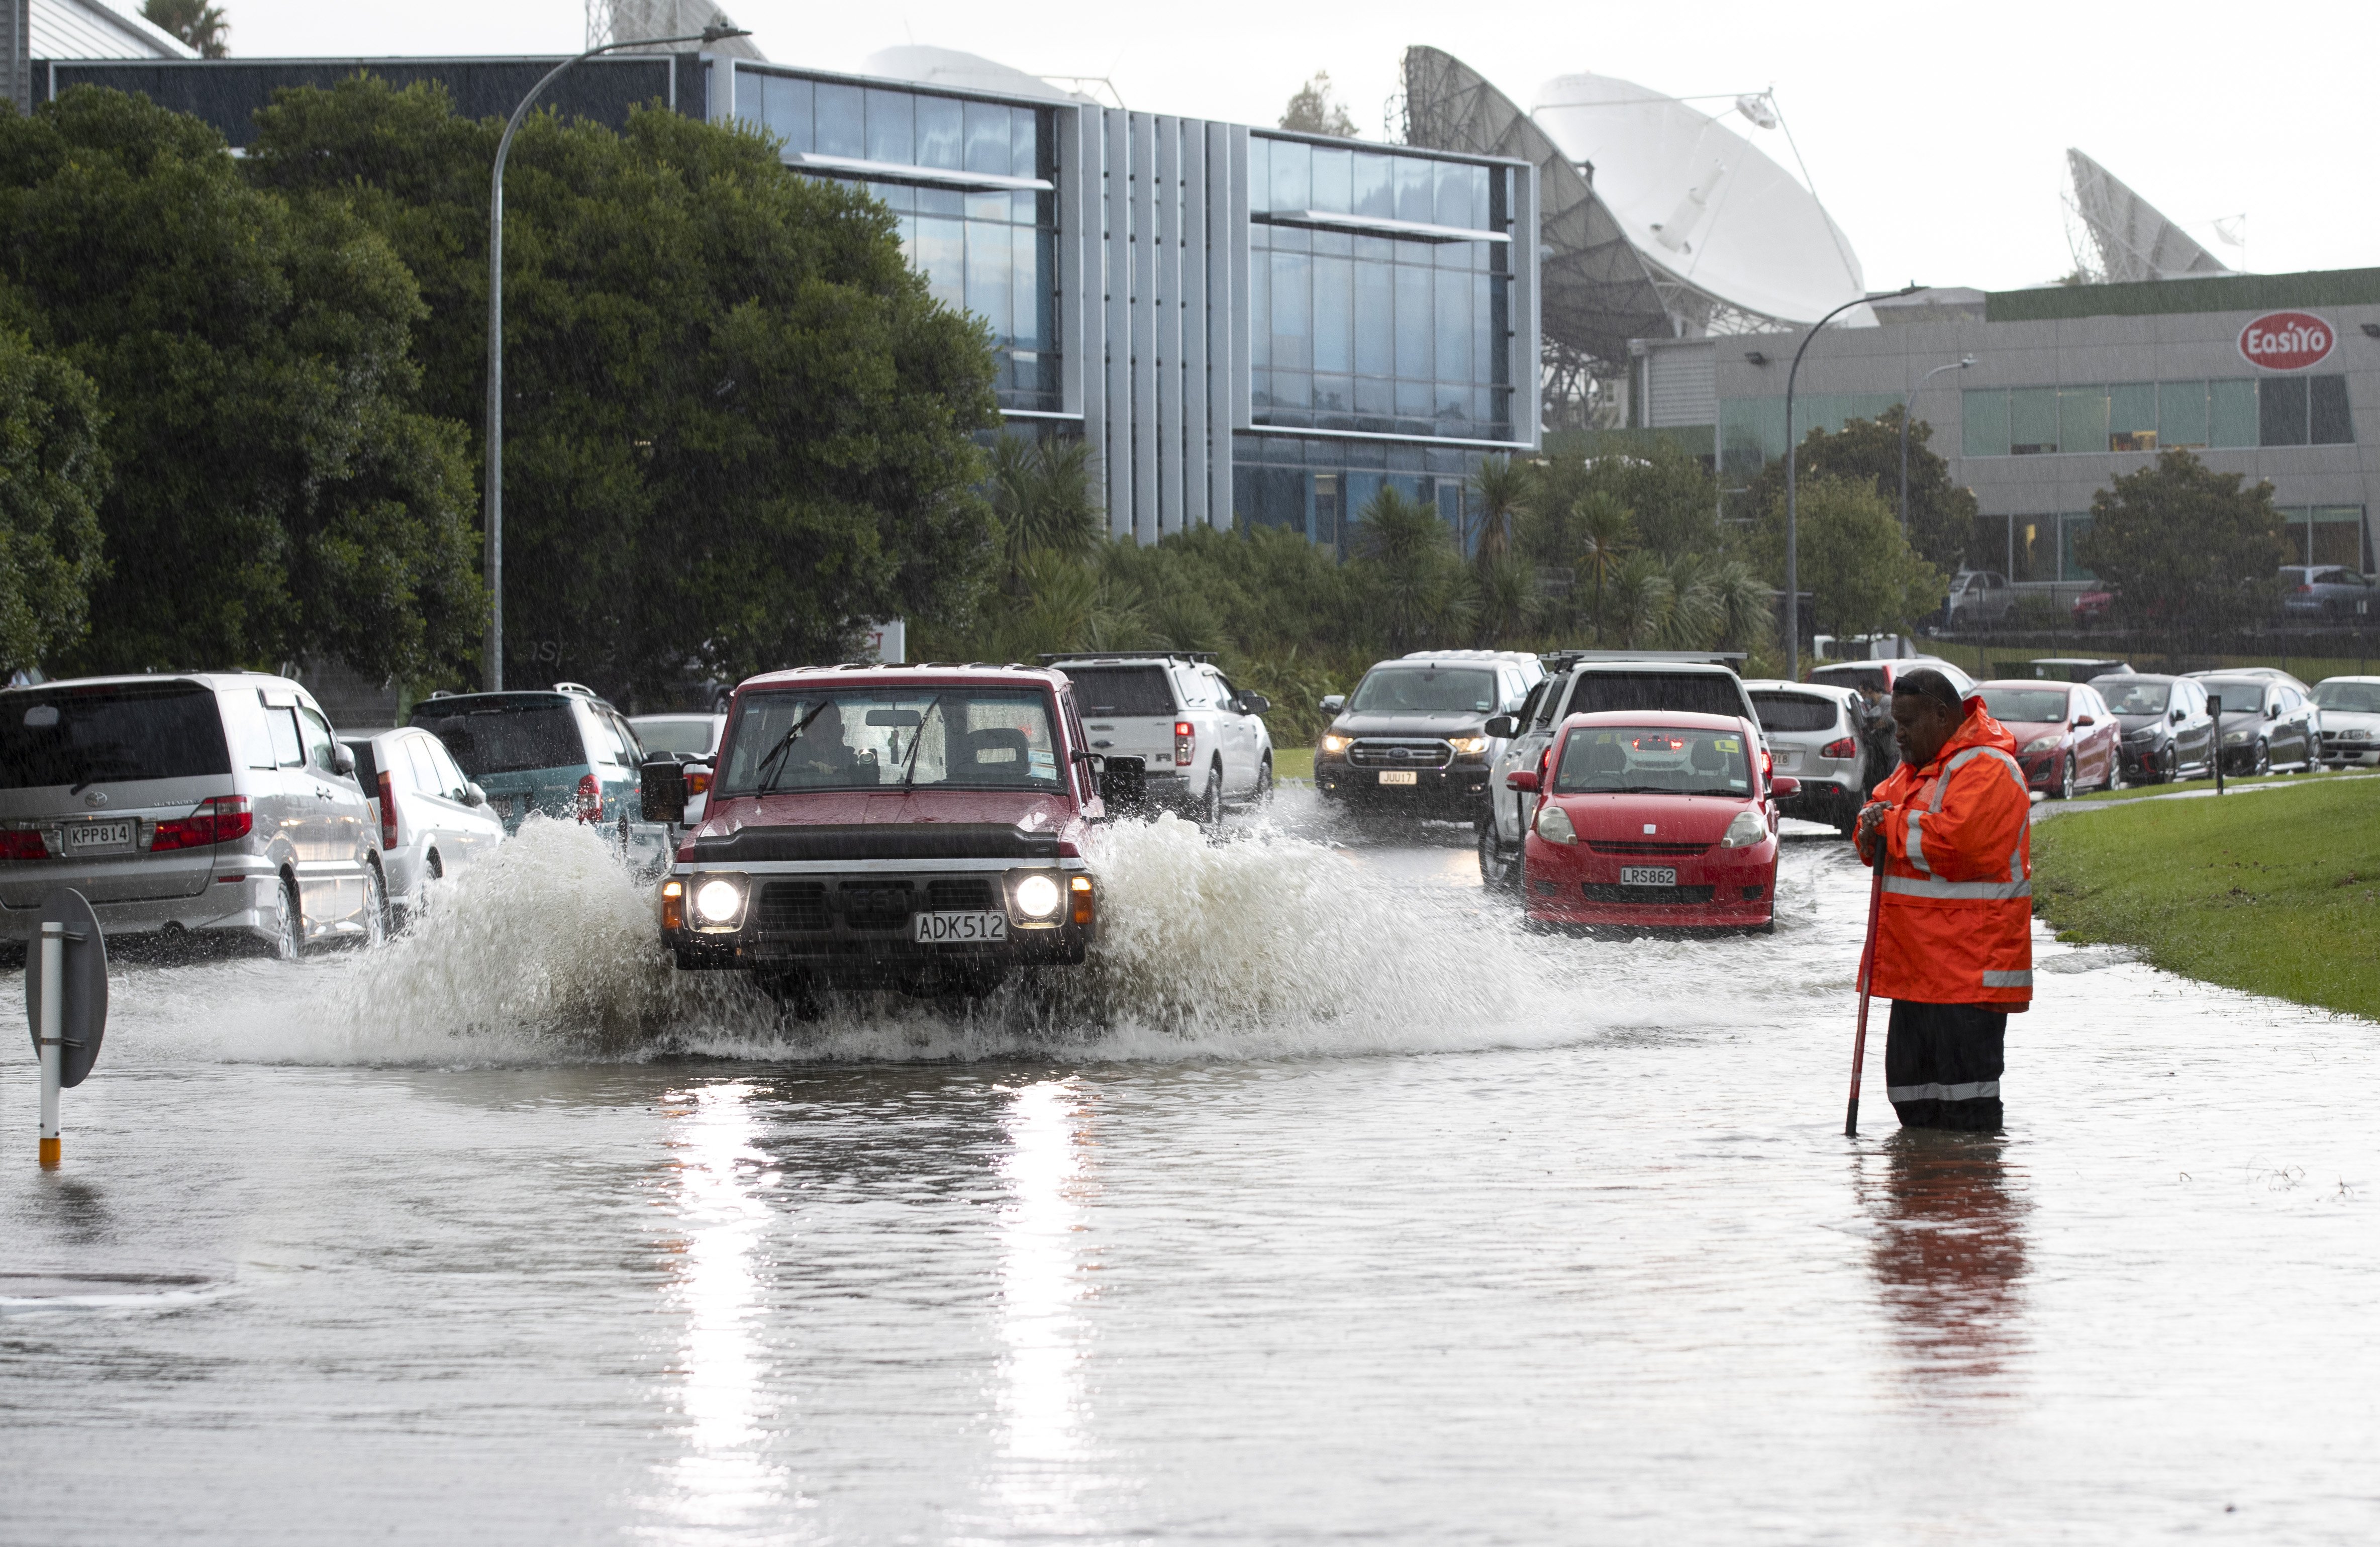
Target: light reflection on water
(1044,1281)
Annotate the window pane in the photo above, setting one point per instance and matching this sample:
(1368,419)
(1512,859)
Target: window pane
(1991,549)
(1369,195)
(938,133)
(1453,180)
(1333,179)
(2328,417)
(1025,141)
(1260,309)
(2337,534)
(987,138)
(1259,174)
(1414,354)
(1984,423)
(1374,321)
(1024,303)
(2083,418)
(2232,413)
(2132,417)
(892,127)
(785,108)
(988,274)
(1292,349)
(2182,413)
(841,121)
(2074,527)
(2036,549)
(2281,411)
(2033,420)
(1453,323)
(1292,175)
(1334,285)
(1415,191)
(942,253)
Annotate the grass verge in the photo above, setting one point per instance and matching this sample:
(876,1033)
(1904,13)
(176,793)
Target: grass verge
(1293,762)
(2279,895)
(2230,781)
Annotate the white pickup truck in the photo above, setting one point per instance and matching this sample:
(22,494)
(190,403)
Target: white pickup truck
(1205,742)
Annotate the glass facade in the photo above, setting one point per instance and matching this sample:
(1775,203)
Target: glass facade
(2040,548)
(1752,430)
(2150,416)
(1318,485)
(989,250)
(1386,331)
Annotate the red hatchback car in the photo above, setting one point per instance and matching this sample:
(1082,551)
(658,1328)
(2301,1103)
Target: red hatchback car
(2065,736)
(1653,819)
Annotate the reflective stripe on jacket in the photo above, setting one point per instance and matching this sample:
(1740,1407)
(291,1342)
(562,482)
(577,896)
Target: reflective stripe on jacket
(1956,926)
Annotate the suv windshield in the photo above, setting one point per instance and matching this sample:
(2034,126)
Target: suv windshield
(2132,697)
(1608,760)
(82,735)
(2036,705)
(1121,691)
(505,734)
(2353,697)
(1424,691)
(1711,692)
(1794,711)
(866,737)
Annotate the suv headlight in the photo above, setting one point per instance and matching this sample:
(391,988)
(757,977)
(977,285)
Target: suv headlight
(2044,744)
(1553,826)
(1747,829)
(1334,745)
(2236,739)
(1467,746)
(1036,895)
(719,902)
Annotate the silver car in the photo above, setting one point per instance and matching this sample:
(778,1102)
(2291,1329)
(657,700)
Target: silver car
(207,802)
(1822,736)
(431,821)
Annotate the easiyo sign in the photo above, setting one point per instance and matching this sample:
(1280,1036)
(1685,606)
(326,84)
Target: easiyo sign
(2286,340)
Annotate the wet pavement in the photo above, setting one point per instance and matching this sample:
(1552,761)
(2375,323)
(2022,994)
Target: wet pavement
(1333,1206)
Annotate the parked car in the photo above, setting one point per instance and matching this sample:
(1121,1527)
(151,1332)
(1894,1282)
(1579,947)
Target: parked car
(2167,733)
(1584,681)
(1978,598)
(2093,607)
(2329,591)
(2066,668)
(689,739)
(922,828)
(1822,736)
(2265,723)
(1204,742)
(2350,720)
(2262,674)
(2066,737)
(1419,737)
(431,820)
(1875,677)
(564,753)
(1651,818)
(212,803)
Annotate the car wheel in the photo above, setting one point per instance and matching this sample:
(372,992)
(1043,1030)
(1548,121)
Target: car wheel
(2263,764)
(1210,805)
(2168,766)
(376,921)
(289,927)
(1499,869)
(2115,779)
(1264,780)
(2065,780)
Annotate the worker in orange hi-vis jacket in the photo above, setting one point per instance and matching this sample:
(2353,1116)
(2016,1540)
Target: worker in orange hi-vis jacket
(1954,937)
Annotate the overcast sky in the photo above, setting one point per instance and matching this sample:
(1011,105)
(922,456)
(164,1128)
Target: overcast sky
(1936,134)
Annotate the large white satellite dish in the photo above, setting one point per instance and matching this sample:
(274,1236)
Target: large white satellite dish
(1701,202)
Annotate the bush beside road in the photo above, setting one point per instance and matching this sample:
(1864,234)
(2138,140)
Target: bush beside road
(2278,895)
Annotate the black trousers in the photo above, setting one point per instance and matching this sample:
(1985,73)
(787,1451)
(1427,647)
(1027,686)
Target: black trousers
(1942,1064)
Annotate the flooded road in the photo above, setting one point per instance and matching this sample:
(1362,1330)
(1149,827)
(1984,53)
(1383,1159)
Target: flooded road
(1333,1206)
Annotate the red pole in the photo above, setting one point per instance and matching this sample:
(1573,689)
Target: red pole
(1866,973)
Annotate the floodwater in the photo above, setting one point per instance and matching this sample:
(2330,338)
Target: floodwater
(1330,1206)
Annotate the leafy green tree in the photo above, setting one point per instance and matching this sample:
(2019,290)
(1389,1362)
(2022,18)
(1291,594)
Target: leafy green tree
(278,490)
(53,474)
(1669,495)
(1314,110)
(1502,488)
(1861,575)
(1407,555)
(194,21)
(2189,551)
(1941,514)
(1044,498)
(736,424)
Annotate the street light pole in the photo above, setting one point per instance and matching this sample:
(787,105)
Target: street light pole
(1907,399)
(1793,505)
(492,668)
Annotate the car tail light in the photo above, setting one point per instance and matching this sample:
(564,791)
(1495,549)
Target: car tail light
(1841,747)
(1080,888)
(2305,590)
(219,820)
(23,843)
(387,812)
(1768,763)
(590,798)
(1186,736)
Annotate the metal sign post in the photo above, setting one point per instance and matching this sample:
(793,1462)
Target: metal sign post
(65,1000)
(2214,713)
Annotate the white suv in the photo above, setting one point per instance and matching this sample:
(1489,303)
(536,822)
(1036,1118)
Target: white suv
(1205,743)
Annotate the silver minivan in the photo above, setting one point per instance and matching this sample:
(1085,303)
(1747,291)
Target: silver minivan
(214,802)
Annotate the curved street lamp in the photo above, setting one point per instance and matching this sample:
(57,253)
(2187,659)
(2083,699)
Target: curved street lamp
(1908,398)
(1793,531)
(492,670)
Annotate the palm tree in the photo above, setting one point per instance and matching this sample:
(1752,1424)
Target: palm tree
(1605,532)
(1502,487)
(194,21)
(1509,601)
(1693,617)
(1408,549)
(1746,615)
(1045,498)
(1639,600)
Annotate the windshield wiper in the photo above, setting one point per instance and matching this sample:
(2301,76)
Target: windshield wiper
(781,748)
(909,768)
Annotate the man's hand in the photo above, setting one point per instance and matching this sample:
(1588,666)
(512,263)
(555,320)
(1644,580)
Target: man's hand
(1871,818)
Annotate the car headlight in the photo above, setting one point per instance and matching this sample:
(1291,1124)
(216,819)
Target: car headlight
(1467,746)
(1333,745)
(2044,744)
(1553,826)
(719,903)
(2235,738)
(1037,897)
(1747,829)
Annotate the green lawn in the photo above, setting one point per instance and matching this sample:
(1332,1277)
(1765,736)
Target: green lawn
(1293,762)
(2230,781)
(2279,893)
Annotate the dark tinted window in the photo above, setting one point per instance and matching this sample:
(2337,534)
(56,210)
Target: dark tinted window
(1869,679)
(2026,705)
(1608,759)
(1714,692)
(1104,691)
(76,736)
(367,766)
(1794,711)
(502,734)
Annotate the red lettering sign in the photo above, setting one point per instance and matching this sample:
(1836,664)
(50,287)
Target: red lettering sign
(2286,340)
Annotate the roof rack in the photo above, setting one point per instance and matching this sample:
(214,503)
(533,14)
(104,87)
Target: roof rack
(1563,660)
(1204,657)
(579,687)
(1466,655)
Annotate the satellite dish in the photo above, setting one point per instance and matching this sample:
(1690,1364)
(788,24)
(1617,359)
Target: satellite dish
(1701,202)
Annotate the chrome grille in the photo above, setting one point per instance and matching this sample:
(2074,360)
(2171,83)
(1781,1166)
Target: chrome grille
(1400,752)
(1601,846)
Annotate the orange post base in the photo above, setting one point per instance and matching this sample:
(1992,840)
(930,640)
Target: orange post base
(49,1151)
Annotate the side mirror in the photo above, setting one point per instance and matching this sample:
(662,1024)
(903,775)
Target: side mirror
(1253,703)
(1783,786)
(343,762)
(663,786)
(1333,703)
(474,796)
(2273,712)
(2179,716)
(1523,779)
(1503,727)
(2082,720)
(1124,782)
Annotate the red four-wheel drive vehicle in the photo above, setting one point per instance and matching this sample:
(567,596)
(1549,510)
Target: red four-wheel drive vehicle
(913,827)
(1653,817)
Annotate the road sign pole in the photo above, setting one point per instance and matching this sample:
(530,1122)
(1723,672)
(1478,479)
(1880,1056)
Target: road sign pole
(54,981)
